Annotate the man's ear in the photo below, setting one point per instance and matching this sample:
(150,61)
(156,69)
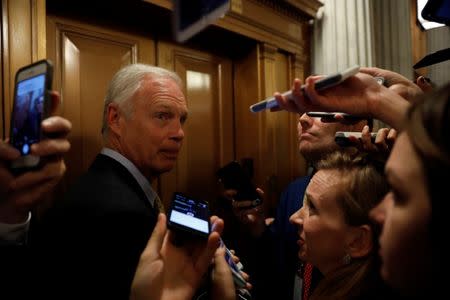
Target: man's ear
(361,241)
(113,116)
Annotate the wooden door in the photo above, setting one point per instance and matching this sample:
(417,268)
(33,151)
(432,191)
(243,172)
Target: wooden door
(209,138)
(85,58)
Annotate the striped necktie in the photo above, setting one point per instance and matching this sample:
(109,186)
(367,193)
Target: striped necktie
(159,204)
(307,277)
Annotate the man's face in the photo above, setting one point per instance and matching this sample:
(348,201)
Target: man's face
(152,136)
(316,138)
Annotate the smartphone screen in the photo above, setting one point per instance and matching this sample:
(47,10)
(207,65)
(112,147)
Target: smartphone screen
(28,111)
(189,215)
(31,101)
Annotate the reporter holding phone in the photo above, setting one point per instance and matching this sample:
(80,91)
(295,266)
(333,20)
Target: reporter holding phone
(22,192)
(20,195)
(413,214)
(166,271)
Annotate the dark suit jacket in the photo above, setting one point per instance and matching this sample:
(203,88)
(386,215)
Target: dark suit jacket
(91,242)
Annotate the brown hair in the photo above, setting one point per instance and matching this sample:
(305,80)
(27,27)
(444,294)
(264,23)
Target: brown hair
(363,187)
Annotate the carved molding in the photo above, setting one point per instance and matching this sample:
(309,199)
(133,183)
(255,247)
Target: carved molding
(308,7)
(268,51)
(299,10)
(278,22)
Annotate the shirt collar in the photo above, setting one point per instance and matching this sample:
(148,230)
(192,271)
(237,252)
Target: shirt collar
(141,180)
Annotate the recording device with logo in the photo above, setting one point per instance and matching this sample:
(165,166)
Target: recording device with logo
(31,105)
(234,176)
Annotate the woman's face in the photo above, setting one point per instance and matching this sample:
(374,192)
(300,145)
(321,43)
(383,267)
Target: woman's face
(321,227)
(404,213)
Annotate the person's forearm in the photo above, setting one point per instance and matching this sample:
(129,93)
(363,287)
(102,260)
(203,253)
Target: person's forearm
(390,108)
(14,231)
(10,215)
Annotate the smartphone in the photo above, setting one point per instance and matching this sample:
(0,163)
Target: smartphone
(239,281)
(322,84)
(342,138)
(234,176)
(188,216)
(330,116)
(31,105)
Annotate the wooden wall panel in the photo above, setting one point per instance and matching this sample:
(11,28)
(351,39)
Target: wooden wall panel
(269,138)
(247,91)
(22,26)
(86,57)
(208,142)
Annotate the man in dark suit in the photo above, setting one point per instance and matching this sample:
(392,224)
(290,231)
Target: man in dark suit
(92,241)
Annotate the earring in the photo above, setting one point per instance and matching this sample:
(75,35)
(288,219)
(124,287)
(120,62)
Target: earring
(347,259)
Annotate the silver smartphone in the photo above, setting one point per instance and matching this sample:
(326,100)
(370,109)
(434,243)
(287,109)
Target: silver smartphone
(322,84)
(31,105)
(239,281)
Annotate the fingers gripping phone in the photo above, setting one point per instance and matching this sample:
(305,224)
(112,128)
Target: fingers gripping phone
(322,84)
(239,281)
(188,216)
(234,176)
(31,105)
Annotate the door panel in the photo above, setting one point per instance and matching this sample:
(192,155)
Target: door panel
(86,57)
(209,140)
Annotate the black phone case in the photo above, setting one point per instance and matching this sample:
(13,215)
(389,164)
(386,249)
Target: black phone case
(46,107)
(183,233)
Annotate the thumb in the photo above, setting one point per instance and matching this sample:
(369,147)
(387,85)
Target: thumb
(155,242)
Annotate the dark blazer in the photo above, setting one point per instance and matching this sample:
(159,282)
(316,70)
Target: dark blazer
(91,242)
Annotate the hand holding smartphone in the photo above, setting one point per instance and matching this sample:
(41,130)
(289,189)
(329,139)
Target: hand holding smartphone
(322,84)
(31,105)
(239,281)
(189,218)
